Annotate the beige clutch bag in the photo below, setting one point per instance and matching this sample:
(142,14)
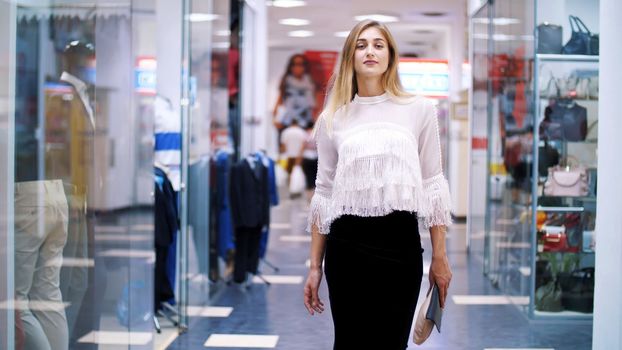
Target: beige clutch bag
(430,314)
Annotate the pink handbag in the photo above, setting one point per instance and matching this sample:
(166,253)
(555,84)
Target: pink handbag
(566,182)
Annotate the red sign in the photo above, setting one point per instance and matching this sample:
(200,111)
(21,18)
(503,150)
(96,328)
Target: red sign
(322,64)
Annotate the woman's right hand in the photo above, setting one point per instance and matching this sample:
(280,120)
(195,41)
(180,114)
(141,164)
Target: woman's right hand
(311,295)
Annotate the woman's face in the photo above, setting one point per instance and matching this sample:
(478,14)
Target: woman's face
(298,66)
(371,56)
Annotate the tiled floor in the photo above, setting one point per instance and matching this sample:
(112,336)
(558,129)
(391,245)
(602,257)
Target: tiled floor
(477,317)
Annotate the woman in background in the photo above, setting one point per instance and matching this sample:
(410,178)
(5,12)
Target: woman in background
(296,95)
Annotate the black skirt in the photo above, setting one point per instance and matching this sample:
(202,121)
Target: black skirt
(373,268)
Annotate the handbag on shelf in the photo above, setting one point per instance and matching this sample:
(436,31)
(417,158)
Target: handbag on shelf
(578,290)
(586,82)
(549,87)
(572,118)
(566,182)
(554,238)
(550,130)
(548,156)
(544,273)
(549,38)
(582,41)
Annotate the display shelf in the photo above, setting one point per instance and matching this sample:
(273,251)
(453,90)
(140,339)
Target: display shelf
(579,198)
(571,98)
(569,314)
(566,58)
(522,198)
(561,209)
(552,142)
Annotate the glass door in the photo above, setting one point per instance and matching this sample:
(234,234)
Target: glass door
(208,133)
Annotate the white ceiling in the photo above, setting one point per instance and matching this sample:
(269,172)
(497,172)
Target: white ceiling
(415,33)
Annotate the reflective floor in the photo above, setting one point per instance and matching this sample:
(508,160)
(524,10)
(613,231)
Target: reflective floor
(272,316)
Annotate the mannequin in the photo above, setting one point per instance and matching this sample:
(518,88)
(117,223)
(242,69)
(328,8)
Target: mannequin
(49,212)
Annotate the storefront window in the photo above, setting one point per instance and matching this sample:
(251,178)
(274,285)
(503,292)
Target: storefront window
(83,241)
(537,116)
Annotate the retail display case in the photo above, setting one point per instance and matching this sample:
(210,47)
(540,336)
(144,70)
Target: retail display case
(541,127)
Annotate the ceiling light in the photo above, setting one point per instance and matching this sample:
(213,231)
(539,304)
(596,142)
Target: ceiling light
(300,33)
(202,17)
(504,37)
(287,3)
(294,22)
(225,32)
(378,18)
(342,34)
(501,21)
(423,31)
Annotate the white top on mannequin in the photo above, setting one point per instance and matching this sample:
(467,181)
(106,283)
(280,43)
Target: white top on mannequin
(383,155)
(80,88)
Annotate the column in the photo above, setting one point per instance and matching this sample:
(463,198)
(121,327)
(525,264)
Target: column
(608,288)
(7,129)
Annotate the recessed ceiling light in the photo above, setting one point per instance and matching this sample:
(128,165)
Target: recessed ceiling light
(504,37)
(434,14)
(225,32)
(500,21)
(300,33)
(202,17)
(294,22)
(342,34)
(287,3)
(377,17)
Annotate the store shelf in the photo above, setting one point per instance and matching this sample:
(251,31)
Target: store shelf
(561,209)
(569,314)
(566,58)
(553,142)
(578,100)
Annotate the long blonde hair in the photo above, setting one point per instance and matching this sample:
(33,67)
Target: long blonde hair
(343,85)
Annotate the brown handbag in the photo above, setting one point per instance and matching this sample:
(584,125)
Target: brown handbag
(566,182)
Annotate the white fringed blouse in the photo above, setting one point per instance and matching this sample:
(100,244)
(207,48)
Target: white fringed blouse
(382,155)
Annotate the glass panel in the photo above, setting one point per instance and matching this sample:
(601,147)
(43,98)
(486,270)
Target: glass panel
(511,126)
(567,117)
(209,147)
(84,254)
(478,132)
(7,89)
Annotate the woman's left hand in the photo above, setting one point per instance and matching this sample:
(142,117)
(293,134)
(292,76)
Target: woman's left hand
(440,274)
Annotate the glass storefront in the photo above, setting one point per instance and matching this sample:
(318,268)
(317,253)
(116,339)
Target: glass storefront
(534,120)
(83,244)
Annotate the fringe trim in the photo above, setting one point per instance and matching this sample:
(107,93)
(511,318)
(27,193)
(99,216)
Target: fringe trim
(378,172)
(436,202)
(432,203)
(319,214)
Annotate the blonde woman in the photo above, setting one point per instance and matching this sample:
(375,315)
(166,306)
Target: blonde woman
(379,175)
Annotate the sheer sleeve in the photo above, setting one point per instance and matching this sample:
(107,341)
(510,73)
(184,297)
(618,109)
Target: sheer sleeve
(327,162)
(435,208)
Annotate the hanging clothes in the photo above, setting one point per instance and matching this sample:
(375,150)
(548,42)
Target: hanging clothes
(250,203)
(274,199)
(166,228)
(221,187)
